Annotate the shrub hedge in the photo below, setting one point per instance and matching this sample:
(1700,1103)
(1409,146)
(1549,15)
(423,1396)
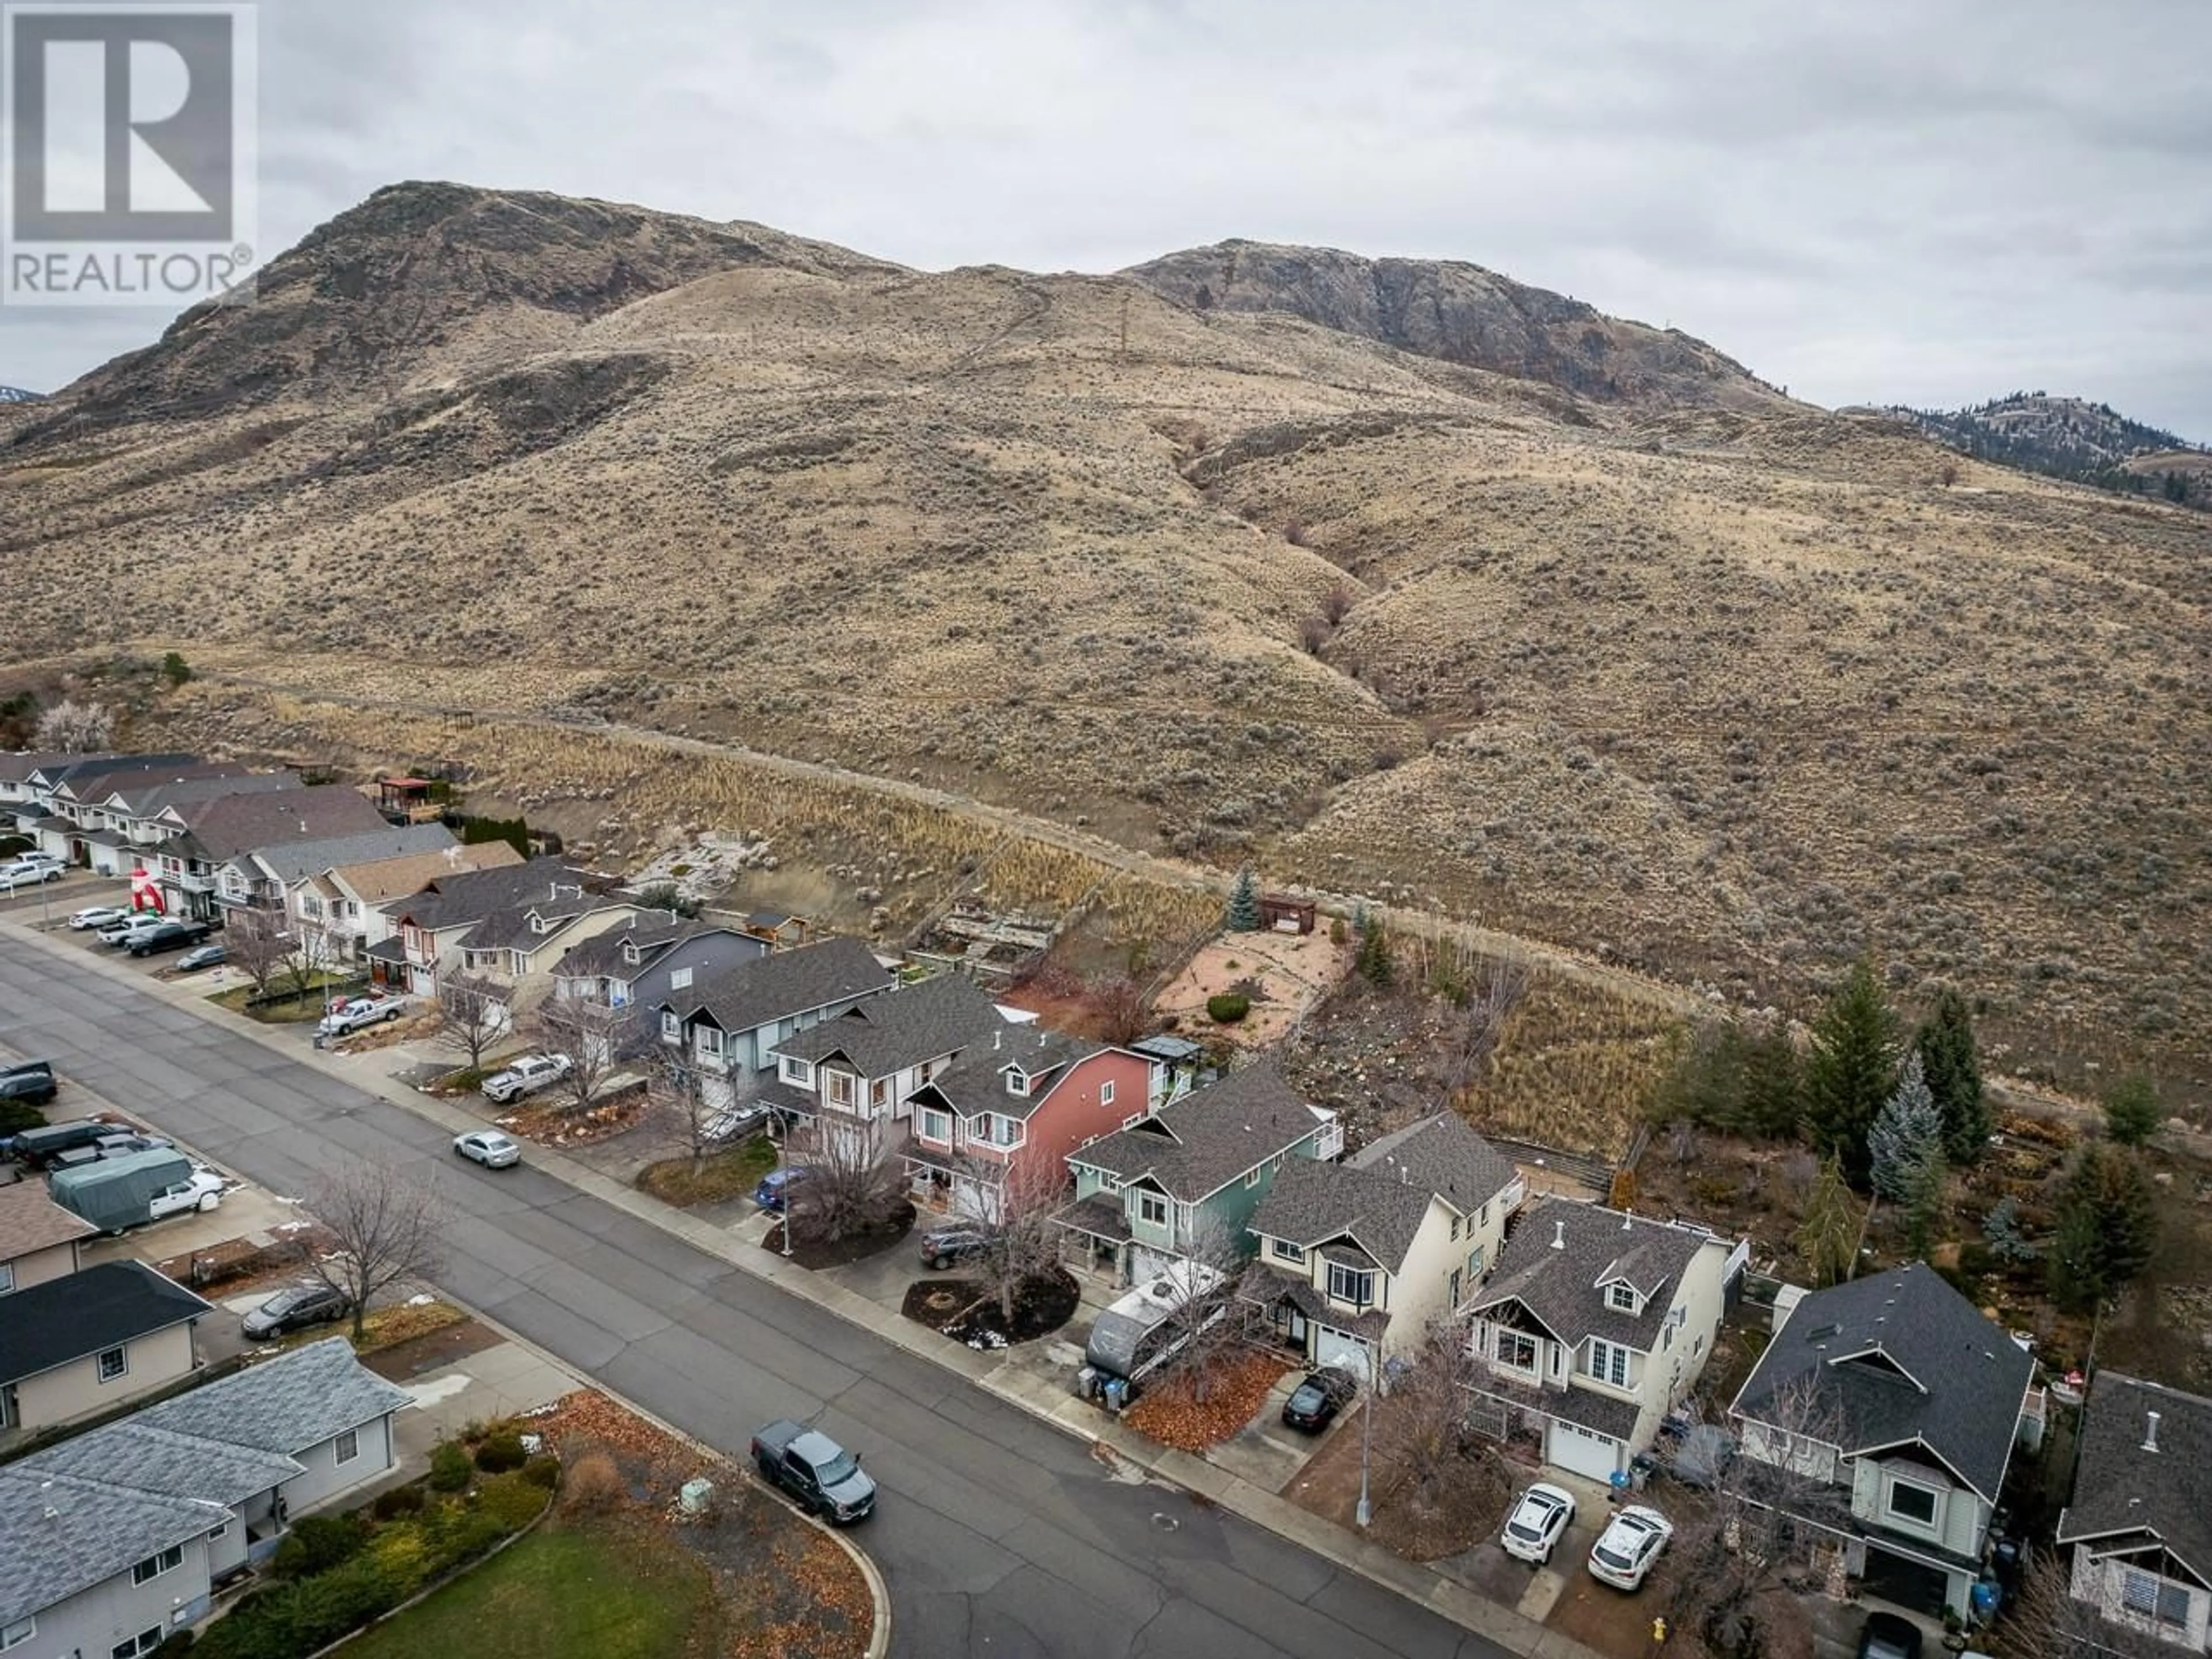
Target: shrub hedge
(1228,1007)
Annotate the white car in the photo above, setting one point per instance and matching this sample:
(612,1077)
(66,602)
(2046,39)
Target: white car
(1534,1529)
(527,1076)
(125,934)
(202,1190)
(1631,1543)
(99,915)
(489,1148)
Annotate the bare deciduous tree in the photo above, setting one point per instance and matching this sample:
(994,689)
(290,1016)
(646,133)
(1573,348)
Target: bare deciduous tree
(1024,1241)
(680,1092)
(1492,991)
(2045,1621)
(71,727)
(473,1015)
(1123,1014)
(1202,1325)
(588,1033)
(307,955)
(255,943)
(386,1224)
(850,1186)
(1427,1410)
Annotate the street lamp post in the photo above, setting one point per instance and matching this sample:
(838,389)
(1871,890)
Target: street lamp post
(1366,1511)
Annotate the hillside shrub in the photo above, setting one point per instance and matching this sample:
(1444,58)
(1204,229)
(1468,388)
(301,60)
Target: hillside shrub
(593,1485)
(400,1500)
(318,1543)
(542,1471)
(1228,1007)
(501,1452)
(450,1467)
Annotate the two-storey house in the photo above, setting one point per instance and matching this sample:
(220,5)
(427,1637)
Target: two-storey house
(76,1345)
(1364,1259)
(51,795)
(268,877)
(1183,1181)
(638,963)
(1593,1325)
(727,1025)
(39,1239)
(345,902)
(111,1541)
(2139,1527)
(1898,1405)
(204,836)
(433,923)
(1005,1117)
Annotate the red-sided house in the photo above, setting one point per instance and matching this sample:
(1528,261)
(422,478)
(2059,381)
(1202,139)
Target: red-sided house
(1013,1110)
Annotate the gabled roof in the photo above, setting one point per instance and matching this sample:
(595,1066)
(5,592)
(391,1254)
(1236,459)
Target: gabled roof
(287,1404)
(173,1464)
(902,1028)
(30,1220)
(537,923)
(79,770)
(16,765)
(377,881)
(1557,1261)
(144,799)
(746,995)
(221,828)
(977,1081)
(83,1312)
(466,897)
(648,933)
(2121,1489)
(1198,1144)
(1898,1358)
(1381,1195)
(60,1534)
(297,860)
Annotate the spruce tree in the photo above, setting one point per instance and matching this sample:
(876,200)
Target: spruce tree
(1243,916)
(1376,963)
(1927,1184)
(1954,1068)
(2107,1226)
(2131,1112)
(1828,1236)
(1909,1132)
(1773,1083)
(1852,1070)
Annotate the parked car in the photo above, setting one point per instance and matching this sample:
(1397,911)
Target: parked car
(1538,1522)
(1889,1636)
(730,1121)
(821,1474)
(943,1246)
(27,872)
(119,935)
(99,915)
(166,936)
(31,1081)
(775,1188)
(527,1076)
(119,1145)
(1631,1543)
(1313,1404)
(36,1148)
(295,1307)
(490,1148)
(201,956)
(359,1014)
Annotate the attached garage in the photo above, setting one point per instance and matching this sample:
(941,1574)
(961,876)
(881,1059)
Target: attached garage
(1333,1347)
(1582,1451)
(1147,1263)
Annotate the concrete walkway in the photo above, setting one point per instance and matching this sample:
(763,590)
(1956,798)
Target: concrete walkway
(1009,1376)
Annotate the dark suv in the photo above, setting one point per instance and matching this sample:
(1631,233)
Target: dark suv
(294,1310)
(943,1246)
(31,1081)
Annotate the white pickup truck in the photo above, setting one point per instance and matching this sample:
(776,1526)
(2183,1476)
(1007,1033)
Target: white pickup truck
(527,1076)
(358,1014)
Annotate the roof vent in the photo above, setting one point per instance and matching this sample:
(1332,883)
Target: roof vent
(995,1035)
(1627,1221)
(2150,1432)
(1559,1235)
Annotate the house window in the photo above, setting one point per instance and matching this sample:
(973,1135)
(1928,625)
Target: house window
(113,1363)
(2152,1597)
(679,979)
(1455,1232)
(347,1447)
(310,905)
(216,1532)
(1152,1209)
(841,1088)
(1354,1285)
(1482,1217)
(1252,1175)
(936,1125)
(1516,1349)
(518,963)
(879,1091)
(7,1277)
(1608,1363)
(1475,1263)
(1286,1251)
(131,1647)
(1017,1081)
(800,1072)
(1621,1296)
(1911,1504)
(1106,1092)
(709,1040)
(672,1029)
(1000,1131)
(154,1565)
(15,1635)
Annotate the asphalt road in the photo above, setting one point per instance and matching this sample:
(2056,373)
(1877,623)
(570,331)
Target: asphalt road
(996,1534)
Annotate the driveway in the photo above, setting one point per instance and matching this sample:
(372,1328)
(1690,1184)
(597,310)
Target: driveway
(997,1535)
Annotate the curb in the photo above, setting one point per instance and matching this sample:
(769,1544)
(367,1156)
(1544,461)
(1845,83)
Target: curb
(1449,1599)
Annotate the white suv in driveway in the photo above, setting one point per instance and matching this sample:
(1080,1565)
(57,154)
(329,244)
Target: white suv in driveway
(527,1076)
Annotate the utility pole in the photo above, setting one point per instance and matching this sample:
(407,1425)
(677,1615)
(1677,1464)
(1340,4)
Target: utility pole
(1366,1511)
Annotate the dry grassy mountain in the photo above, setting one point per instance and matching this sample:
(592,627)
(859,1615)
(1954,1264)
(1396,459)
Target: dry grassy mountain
(1379,574)
(2073,438)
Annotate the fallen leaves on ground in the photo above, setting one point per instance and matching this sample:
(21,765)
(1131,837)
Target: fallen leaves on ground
(386,1327)
(1235,1386)
(556,1123)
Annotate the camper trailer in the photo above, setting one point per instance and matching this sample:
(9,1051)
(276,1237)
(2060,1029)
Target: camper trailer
(1140,1333)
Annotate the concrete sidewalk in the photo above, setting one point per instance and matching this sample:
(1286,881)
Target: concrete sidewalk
(1008,1375)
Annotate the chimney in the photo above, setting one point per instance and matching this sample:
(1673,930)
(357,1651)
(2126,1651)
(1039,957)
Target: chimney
(2150,1432)
(995,1035)
(1559,1235)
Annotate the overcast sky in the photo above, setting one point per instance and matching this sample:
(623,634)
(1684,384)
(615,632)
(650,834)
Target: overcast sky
(1930,201)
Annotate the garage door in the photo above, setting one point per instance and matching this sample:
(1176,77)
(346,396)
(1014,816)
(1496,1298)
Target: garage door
(1335,1348)
(1582,1451)
(1146,1263)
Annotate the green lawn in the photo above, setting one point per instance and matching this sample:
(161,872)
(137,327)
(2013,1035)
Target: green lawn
(593,1594)
(288,1010)
(720,1176)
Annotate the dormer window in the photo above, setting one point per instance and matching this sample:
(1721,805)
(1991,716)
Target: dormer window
(1622,1298)
(1017,1080)
(632,955)
(800,1072)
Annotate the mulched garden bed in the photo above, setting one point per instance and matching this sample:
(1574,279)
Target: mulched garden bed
(967,1312)
(433,1351)
(554,1123)
(842,1252)
(1236,1386)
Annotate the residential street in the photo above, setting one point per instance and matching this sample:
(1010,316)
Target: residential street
(996,1534)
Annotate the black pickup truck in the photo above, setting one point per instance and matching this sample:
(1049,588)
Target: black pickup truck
(821,1474)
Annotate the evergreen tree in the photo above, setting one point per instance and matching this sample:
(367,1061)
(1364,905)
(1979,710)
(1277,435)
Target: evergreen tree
(1376,963)
(2131,1111)
(1245,903)
(1954,1069)
(1927,1184)
(1773,1083)
(1828,1237)
(1909,1132)
(1852,1070)
(2107,1226)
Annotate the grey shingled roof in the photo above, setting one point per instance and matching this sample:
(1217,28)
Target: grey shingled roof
(295,860)
(1201,1143)
(747,995)
(1900,1357)
(1381,1193)
(976,1081)
(173,1465)
(219,829)
(2120,1489)
(60,1534)
(1560,1286)
(285,1405)
(469,895)
(902,1028)
(16,765)
(652,932)
(82,1313)
(146,799)
(519,925)
(1441,1153)
(29,1220)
